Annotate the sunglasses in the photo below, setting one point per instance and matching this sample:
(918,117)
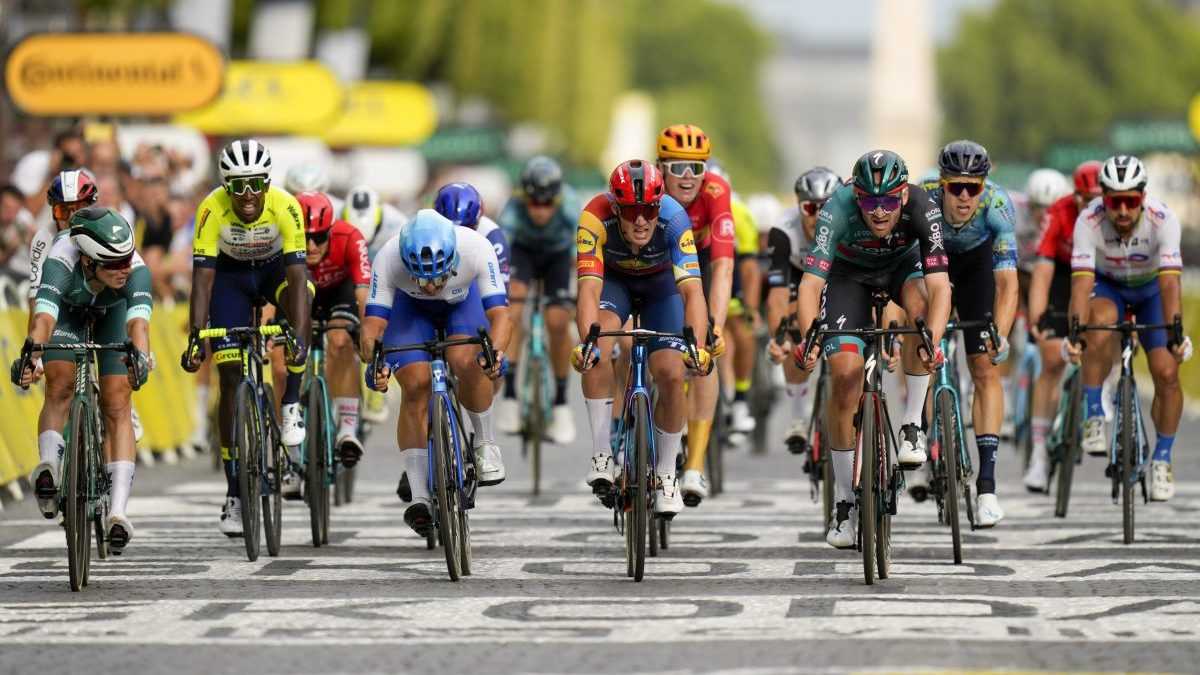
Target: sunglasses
(534,201)
(681,168)
(63,211)
(869,203)
(957,188)
(633,211)
(255,184)
(811,208)
(318,238)
(116,265)
(1115,202)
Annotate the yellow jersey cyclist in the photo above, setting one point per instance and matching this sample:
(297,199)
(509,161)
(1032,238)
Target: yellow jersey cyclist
(94,270)
(249,245)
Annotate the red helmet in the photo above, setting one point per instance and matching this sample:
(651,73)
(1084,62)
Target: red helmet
(636,182)
(317,210)
(1087,177)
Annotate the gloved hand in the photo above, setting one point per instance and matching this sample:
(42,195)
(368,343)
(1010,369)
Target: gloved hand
(583,362)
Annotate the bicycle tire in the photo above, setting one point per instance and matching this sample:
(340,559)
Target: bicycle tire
(1128,455)
(464,542)
(866,494)
(886,482)
(762,396)
(664,533)
(948,449)
(443,492)
(316,449)
(1070,449)
(713,460)
(100,513)
(272,474)
(653,531)
(247,437)
(536,429)
(642,488)
(75,522)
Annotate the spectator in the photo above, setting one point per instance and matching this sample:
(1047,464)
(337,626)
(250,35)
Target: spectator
(16,225)
(152,219)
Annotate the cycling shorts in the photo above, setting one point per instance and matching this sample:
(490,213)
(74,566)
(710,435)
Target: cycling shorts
(1143,302)
(237,288)
(415,320)
(658,300)
(846,303)
(555,270)
(973,286)
(336,302)
(1060,300)
(108,328)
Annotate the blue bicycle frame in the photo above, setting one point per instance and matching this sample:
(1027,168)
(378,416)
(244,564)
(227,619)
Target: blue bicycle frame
(636,390)
(947,380)
(441,389)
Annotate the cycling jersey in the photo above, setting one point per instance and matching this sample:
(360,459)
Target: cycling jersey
(555,236)
(1058,231)
(39,250)
(745,230)
(992,222)
(220,232)
(712,217)
(492,232)
(1153,246)
(345,259)
(600,243)
(787,245)
(842,233)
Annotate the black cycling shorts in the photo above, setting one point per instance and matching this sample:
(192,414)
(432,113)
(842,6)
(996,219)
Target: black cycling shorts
(554,268)
(336,302)
(1060,300)
(973,291)
(846,303)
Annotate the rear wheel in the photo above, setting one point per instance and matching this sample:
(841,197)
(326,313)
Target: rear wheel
(867,499)
(1070,447)
(536,426)
(316,467)
(247,438)
(272,472)
(1128,455)
(948,451)
(445,491)
(713,461)
(664,533)
(886,488)
(75,521)
(642,486)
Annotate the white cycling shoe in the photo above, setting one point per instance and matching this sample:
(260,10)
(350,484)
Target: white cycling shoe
(843,531)
(694,487)
(231,517)
(489,464)
(120,531)
(1095,441)
(603,470)
(987,511)
(289,485)
(1037,477)
(562,426)
(911,453)
(668,499)
(1162,481)
(45,488)
(136,420)
(508,416)
(291,424)
(743,422)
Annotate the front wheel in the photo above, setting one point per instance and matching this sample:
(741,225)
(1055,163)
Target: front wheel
(867,496)
(948,449)
(445,489)
(1070,449)
(247,432)
(272,472)
(1128,457)
(316,464)
(75,496)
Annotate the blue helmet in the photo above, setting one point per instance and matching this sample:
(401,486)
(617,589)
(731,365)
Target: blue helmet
(429,246)
(460,203)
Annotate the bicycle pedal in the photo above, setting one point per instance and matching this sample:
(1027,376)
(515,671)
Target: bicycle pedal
(692,500)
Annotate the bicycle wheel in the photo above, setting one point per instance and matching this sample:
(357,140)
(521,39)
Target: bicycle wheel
(247,437)
(272,473)
(867,499)
(821,455)
(664,533)
(536,425)
(950,446)
(653,547)
(101,510)
(887,489)
(316,458)
(1070,447)
(640,492)
(713,460)
(762,396)
(1128,456)
(444,489)
(75,511)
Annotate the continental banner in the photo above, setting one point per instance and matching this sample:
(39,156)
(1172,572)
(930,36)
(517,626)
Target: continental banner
(275,98)
(113,73)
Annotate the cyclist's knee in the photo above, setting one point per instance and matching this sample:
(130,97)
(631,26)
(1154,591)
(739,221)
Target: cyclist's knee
(338,343)
(668,372)
(983,372)
(230,373)
(416,381)
(114,404)
(1164,370)
(557,319)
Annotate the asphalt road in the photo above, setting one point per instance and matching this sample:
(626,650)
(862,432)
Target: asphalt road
(748,586)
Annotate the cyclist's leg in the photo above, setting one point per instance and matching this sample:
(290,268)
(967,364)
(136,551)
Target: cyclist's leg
(597,382)
(1168,396)
(59,373)
(522,269)
(115,408)
(475,390)
(1047,389)
(556,285)
(281,293)
(913,296)
(702,405)
(1106,307)
(339,306)
(233,292)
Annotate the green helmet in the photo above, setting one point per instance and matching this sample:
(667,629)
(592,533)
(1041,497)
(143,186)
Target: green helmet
(101,234)
(890,168)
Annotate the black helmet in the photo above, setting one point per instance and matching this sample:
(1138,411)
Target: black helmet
(817,184)
(964,158)
(541,179)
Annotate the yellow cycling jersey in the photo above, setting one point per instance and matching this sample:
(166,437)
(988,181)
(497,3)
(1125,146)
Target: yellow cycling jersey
(219,230)
(745,230)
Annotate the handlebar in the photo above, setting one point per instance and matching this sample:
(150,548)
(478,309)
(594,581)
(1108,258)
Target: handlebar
(643,335)
(437,346)
(987,323)
(1125,328)
(127,348)
(815,334)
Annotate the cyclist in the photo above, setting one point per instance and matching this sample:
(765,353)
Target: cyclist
(540,223)
(376,219)
(93,271)
(636,247)
(69,192)
(879,232)
(461,204)
(435,274)
(787,245)
(683,150)
(1050,290)
(310,177)
(1126,260)
(248,247)
(983,273)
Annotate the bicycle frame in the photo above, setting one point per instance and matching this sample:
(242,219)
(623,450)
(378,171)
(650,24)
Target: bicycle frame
(1142,458)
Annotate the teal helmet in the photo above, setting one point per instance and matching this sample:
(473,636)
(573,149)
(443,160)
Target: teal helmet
(880,172)
(102,234)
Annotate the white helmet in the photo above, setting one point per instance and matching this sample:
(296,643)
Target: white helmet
(306,178)
(1121,173)
(1046,186)
(244,157)
(363,210)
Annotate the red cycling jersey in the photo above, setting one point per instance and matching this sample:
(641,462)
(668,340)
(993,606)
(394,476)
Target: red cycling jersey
(712,217)
(1058,235)
(346,258)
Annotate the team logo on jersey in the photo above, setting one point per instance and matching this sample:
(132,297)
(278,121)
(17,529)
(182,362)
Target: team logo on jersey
(585,241)
(713,189)
(687,243)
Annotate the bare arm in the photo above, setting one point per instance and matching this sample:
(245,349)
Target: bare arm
(777,307)
(1039,291)
(500,330)
(720,290)
(695,314)
(1171,290)
(938,286)
(588,304)
(1005,307)
(751,276)
(372,330)
(299,302)
(809,302)
(1081,292)
(202,283)
(139,333)
(361,293)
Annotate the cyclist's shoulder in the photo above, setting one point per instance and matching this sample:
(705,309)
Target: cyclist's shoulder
(715,194)
(489,228)
(1157,212)
(64,251)
(513,212)
(597,211)
(673,217)
(282,206)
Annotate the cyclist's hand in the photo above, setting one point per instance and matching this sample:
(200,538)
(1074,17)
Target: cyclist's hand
(583,362)
(1002,351)
(1071,351)
(138,375)
(1183,350)
(377,380)
(25,377)
(192,357)
(717,348)
(703,363)
(499,366)
(299,355)
(777,352)
(932,361)
(806,356)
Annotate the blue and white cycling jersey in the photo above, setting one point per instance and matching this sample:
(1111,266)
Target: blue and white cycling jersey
(994,221)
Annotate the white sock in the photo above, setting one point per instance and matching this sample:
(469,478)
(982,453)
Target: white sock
(843,475)
(482,423)
(801,400)
(668,448)
(50,446)
(416,465)
(200,411)
(347,412)
(914,402)
(600,417)
(121,476)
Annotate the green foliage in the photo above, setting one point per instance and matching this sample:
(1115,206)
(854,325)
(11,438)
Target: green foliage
(1028,74)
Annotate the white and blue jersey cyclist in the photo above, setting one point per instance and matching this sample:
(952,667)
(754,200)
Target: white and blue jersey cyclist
(434,275)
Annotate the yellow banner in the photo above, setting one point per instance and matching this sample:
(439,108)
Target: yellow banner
(262,97)
(383,113)
(113,73)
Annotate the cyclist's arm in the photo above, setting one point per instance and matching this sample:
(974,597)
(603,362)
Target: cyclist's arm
(205,250)
(589,269)
(721,288)
(751,275)
(588,303)
(695,314)
(378,307)
(494,296)
(139,306)
(1004,262)
(1083,267)
(779,246)
(1039,289)
(1170,264)
(928,225)
(56,279)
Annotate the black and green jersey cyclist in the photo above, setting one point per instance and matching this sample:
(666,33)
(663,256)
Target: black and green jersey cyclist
(878,233)
(93,275)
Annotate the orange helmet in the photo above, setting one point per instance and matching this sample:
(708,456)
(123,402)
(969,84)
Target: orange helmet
(684,141)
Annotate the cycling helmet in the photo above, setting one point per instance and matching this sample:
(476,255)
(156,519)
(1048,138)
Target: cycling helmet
(76,185)
(306,178)
(684,141)
(636,182)
(541,179)
(459,203)
(1122,172)
(363,210)
(428,246)
(879,172)
(964,158)
(101,234)
(817,184)
(1046,186)
(317,210)
(1087,177)
(244,157)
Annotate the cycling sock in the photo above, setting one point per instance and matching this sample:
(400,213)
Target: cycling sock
(914,402)
(291,390)
(843,475)
(801,401)
(988,444)
(1038,426)
(668,446)
(560,391)
(346,408)
(698,432)
(728,393)
(1093,401)
(601,420)
(1162,448)
(200,412)
(231,481)
(510,380)
(481,422)
(51,446)
(740,389)
(120,474)
(416,465)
